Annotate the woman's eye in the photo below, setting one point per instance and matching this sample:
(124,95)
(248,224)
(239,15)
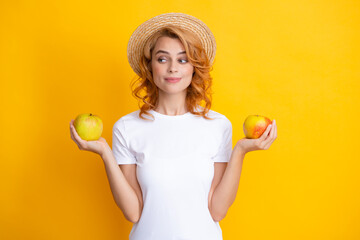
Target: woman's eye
(161,59)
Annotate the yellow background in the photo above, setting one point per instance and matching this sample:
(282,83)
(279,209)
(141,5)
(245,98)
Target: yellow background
(293,61)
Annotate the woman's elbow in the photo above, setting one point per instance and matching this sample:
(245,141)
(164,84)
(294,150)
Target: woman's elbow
(218,216)
(132,219)
(132,216)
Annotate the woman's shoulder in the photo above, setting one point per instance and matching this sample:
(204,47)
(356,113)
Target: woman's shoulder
(132,116)
(217,115)
(218,119)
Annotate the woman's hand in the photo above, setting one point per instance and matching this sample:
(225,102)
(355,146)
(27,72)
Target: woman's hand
(262,143)
(98,146)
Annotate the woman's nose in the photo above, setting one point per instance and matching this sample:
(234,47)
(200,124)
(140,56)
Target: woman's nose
(172,66)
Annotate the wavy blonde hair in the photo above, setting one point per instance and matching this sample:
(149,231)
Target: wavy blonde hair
(198,91)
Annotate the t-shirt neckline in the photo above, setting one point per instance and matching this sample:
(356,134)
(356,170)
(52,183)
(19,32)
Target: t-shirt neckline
(170,116)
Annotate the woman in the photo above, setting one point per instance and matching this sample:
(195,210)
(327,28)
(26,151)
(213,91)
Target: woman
(178,173)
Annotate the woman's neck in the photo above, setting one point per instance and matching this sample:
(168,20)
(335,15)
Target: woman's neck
(172,108)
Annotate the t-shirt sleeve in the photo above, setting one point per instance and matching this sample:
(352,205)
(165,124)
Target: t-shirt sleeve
(225,148)
(120,146)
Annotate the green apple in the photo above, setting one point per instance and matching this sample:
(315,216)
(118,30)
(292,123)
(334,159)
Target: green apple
(255,125)
(88,126)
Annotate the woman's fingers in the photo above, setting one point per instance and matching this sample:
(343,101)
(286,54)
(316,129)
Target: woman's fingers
(72,133)
(272,136)
(272,132)
(264,135)
(75,136)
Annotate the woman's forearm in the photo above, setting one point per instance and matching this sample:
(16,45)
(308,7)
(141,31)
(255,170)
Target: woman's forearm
(225,192)
(124,195)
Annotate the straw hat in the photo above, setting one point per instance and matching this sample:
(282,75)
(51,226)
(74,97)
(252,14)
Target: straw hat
(143,32)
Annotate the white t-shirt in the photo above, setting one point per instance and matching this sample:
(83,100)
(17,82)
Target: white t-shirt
(175,158)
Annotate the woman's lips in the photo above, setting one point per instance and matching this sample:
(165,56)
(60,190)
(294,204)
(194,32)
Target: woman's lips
(172,79)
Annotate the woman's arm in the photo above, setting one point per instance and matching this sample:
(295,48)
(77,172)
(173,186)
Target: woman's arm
(124,187)
(123,182)
(226,182)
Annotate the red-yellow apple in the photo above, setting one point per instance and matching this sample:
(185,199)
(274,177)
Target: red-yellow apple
(88,126)
(255,125)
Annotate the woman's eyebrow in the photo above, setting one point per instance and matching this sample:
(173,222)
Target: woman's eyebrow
(162,51)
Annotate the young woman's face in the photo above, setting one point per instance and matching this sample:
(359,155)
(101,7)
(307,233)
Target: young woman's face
(172,73)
